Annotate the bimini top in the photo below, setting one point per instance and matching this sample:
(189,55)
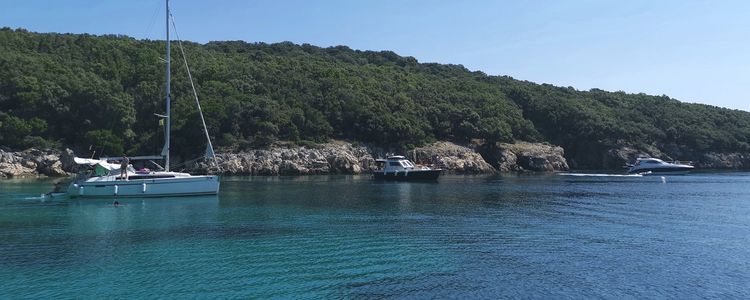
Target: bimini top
(101,167)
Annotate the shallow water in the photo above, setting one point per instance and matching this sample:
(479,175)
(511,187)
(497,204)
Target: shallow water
(540,236)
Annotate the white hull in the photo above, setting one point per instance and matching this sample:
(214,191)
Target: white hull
(672,170)
(654,173)
(157,187)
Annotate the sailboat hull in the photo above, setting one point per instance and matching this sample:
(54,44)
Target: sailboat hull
(159,187)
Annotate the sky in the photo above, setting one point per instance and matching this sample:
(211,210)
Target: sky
(694,51)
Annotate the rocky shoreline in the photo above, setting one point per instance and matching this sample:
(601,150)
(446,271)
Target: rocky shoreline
(346,158)
(338,158)
(34,162)
(616,158)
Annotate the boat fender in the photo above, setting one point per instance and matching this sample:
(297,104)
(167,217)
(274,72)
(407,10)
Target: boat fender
(144,187)
(80,190)
(116,188)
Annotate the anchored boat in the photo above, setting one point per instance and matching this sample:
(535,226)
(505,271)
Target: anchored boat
(106,178)
(398,167)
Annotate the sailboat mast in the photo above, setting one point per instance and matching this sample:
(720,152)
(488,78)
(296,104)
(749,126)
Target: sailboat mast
(169,113)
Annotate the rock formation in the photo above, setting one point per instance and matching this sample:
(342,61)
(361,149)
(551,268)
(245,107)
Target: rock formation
(330,158)
(35,162)
(345,158)
(523,156)
(452,158)
(714,160)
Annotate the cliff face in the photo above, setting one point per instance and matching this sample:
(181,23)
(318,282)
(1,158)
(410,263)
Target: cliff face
(714,160)
(330,158)
(344,158)
(524,156)
(324,159)
(452,158)
(35,162)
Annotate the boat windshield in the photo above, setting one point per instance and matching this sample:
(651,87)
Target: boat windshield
(655,161)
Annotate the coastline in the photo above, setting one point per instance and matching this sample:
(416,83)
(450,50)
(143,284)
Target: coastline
(347,158)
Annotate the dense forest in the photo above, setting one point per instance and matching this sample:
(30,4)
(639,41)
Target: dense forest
(101,92)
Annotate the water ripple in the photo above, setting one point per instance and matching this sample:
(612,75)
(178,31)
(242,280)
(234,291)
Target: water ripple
(466,237)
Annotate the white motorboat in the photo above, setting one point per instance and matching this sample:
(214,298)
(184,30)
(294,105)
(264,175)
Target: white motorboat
(105,178)
(655,166)
(398,167)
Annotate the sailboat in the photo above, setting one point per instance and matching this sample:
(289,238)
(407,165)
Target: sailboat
(107,179)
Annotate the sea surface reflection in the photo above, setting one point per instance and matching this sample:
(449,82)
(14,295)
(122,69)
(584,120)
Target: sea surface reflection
(531,236)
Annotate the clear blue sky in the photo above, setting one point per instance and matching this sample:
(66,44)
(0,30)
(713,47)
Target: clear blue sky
(695,51)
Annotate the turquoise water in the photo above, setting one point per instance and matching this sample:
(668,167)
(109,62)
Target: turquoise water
(349,237)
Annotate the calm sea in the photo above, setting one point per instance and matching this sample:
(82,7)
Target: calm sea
(535,236)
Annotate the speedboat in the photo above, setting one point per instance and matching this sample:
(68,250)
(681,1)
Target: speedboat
(106,177)
(655,166)
(398,167)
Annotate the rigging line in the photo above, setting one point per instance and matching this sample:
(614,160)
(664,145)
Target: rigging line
(195,93)
(150,27)
(185,163)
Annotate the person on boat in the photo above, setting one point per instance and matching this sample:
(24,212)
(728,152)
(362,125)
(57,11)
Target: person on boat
(124,167)
(58,187)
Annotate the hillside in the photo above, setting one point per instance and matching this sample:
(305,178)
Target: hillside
(79,90)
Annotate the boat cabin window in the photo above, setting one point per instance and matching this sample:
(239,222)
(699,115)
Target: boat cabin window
(394,164)
(149,176)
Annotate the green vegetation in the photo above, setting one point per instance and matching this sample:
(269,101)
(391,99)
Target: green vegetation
(79,90)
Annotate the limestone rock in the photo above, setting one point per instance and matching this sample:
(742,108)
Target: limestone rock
(35,162)
(453,158)
(713,160)
(15,170)
(330,158)
(524,156)
(66,159)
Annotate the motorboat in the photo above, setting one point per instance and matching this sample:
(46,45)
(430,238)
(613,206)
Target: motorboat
(111,177)
(398,167)
(655,166)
